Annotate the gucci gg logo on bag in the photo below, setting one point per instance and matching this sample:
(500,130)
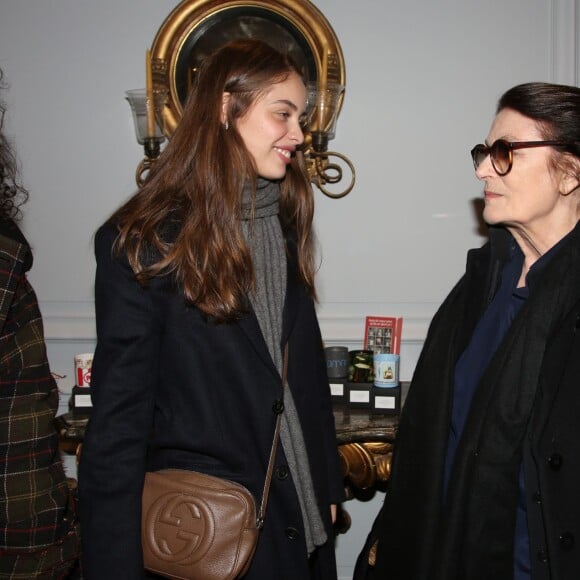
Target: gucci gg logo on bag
(197,526)
(182,527)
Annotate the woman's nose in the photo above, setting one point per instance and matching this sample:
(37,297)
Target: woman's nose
(296,133)
(485,168)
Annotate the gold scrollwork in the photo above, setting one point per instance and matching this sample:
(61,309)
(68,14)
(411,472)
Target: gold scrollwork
(365,464)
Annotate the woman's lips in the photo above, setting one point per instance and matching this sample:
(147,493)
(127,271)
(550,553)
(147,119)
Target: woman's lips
(284,153)
(491,195)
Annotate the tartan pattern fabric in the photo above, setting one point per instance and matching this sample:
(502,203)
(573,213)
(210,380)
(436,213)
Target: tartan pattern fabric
(38,530)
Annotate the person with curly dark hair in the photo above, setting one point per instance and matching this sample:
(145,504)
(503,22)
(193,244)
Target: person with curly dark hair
(39,534)
(12,193)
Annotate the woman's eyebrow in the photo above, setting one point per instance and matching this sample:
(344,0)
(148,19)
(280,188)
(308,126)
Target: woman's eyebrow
(285,102)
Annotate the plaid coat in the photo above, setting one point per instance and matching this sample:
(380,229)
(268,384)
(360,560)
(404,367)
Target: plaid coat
(38,535)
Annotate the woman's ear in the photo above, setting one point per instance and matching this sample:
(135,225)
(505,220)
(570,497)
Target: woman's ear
(570,178)
(225,104)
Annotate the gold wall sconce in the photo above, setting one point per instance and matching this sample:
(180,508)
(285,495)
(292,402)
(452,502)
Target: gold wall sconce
(195,28)
(326,100)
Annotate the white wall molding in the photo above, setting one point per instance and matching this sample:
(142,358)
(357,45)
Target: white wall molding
(340,322)
(68,321)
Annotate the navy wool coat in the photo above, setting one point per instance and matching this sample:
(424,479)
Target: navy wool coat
(171,388)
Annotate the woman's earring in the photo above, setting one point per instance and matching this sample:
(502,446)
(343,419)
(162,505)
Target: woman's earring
(226,125)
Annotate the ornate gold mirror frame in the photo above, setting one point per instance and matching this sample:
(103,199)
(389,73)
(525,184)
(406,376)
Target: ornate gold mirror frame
(195,28)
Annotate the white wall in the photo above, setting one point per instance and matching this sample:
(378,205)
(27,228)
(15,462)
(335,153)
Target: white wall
(423,78)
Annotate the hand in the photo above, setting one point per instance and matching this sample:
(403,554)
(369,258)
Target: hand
(333,512)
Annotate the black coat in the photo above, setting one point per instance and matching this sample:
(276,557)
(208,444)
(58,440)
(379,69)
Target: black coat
(173,389)
(419,541)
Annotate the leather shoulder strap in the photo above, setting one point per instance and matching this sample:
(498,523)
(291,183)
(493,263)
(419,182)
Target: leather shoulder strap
(266,492)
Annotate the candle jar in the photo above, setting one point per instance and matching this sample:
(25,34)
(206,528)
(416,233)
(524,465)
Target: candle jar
(361,366)
(337,361)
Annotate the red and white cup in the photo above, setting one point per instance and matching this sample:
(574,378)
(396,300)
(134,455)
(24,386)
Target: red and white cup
(83,366)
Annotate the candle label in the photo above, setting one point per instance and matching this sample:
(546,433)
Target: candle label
(83,368)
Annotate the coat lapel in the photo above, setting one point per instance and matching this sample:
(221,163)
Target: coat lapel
(563,281)
(251,328)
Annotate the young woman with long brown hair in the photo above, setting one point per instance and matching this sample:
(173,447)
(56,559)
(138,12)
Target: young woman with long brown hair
(202,277)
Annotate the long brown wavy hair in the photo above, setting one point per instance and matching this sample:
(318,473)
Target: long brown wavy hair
(12,192)
(198,182)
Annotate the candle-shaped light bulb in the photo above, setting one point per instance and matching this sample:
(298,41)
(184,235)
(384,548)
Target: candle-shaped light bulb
(149,103)
(322,97)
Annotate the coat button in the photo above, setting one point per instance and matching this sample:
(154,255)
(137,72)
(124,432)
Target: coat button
(281,472)
(292,533)
(543,556)
(536,497)
(278,406)
(566,541)
(555,461)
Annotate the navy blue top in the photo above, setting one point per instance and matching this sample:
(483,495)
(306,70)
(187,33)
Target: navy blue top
(486,338)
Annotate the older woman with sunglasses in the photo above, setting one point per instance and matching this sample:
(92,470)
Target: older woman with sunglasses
(486,471)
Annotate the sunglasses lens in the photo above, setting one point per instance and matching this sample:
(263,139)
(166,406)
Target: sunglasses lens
(478,154)
(501,156)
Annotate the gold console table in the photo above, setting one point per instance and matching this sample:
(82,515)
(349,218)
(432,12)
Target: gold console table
(365,446)
(365,443)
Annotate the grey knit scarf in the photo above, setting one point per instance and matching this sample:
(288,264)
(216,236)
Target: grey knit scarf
(263,233)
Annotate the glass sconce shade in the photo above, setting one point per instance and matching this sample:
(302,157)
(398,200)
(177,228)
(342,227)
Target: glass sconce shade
(147,126)
(324,104)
